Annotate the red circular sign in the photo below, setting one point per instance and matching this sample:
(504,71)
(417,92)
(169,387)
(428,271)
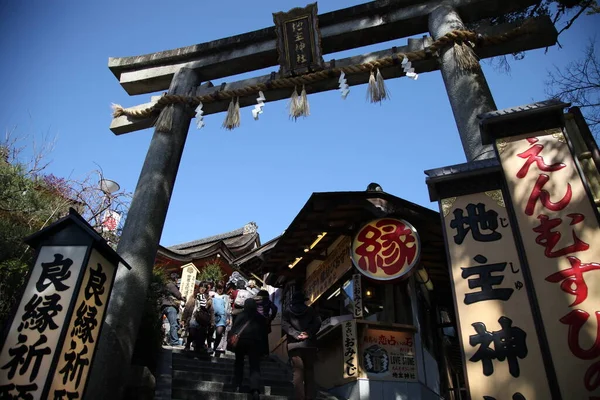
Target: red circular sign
(386,249)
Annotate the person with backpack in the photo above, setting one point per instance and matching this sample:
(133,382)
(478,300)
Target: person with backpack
(301,323)
(203,318)
(241,295)
(268,310)
(170,300)
(187,318)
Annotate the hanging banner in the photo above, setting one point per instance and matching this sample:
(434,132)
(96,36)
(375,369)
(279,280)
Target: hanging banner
(188,280)
(329,272)
(357,295)
(350,349)
(83,330)
(386,249)
(498,336)
(388,355)
(560,232)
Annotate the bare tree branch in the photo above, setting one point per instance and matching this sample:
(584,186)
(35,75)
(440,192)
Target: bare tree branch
(579,84)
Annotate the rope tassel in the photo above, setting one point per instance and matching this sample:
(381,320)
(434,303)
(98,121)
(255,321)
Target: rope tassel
(299,106)
(376,89)
(232,119)
(465,56)
(164,122)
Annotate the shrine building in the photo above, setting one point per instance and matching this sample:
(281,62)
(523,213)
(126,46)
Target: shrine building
(384,334)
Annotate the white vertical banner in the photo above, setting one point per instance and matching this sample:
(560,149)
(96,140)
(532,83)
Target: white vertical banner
(188,280)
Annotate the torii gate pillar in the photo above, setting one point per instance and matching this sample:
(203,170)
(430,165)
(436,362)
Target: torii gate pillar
(138,246)
(468,91)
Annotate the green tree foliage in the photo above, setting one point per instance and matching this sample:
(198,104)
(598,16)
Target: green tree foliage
(211,272)
(27,204)
(31,199)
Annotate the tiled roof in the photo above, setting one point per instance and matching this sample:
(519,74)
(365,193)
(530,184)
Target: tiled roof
(250,227)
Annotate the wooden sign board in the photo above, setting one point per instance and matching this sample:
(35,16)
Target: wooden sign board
(83,330)
(350,343)
(329,272)
(33,339)
(50,346)
(560,231)
(388,355)
(502,355)
(188,280)
(298,40)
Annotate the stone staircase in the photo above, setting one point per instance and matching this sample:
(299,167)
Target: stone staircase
(210,378)
(187,376)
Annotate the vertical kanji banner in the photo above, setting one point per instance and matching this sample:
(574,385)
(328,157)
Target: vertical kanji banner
(561,238)
(31,344)
(350,349)
(188,280)
(83,330)
(502,355)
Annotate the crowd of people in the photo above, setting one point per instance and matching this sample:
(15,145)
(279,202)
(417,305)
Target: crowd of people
(204,322)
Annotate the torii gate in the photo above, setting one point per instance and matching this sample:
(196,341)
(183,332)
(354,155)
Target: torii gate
(186,73)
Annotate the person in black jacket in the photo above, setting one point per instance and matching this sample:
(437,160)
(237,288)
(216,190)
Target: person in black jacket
(250,327)
(301,324)
(171,299)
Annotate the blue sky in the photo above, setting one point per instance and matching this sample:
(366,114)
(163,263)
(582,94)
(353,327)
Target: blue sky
(56,81)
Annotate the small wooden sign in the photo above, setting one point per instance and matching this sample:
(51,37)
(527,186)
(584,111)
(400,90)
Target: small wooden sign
(298,40)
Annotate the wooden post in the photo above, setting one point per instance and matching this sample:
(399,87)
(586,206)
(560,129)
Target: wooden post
(138,246)
(468,91)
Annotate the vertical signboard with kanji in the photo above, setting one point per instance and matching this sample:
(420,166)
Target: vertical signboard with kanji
(83,330)
(357,295)
(188,280)
(560,234)
(502,355)
(49,348)
(32,341)
(350,349)
(298,40)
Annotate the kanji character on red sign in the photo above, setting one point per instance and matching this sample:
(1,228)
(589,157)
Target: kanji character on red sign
(539,193)
(572,279)
(576,319)
(533,156)
(549,239)
(388,246)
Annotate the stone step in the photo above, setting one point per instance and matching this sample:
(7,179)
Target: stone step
(216,375)
(184,394)
(221,359)
(266,379)
(194,365)
(206,386)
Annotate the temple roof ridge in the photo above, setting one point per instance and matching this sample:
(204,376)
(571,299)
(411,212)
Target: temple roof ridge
(250,227)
